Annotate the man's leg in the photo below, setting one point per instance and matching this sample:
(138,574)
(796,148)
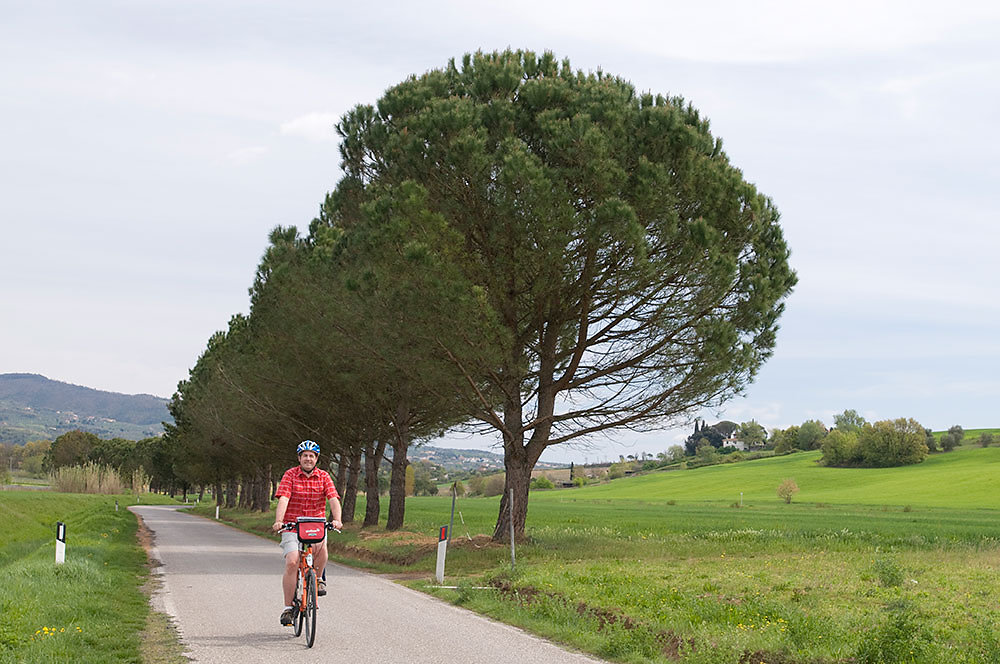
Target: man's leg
(289,578)
(319,560)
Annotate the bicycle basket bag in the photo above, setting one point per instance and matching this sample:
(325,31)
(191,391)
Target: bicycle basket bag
(310,529)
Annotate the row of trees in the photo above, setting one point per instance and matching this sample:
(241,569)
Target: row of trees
(515,247)
(28,458)
(151,456)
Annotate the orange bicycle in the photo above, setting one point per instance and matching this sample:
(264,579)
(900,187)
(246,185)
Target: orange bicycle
(310,530)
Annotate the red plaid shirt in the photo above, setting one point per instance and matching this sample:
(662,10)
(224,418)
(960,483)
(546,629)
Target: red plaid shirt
(307,494)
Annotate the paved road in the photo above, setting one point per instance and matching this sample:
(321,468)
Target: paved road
(222,587)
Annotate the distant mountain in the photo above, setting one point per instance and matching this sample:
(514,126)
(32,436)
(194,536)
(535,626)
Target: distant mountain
(33,407)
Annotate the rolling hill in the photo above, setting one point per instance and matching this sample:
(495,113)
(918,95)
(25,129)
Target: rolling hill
(968,477)
(33,407)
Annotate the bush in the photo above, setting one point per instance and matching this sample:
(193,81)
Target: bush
(494,485)
(579,481)
(784,441)
(931,441)
(787,489)
(897,442)
(542,482)
(948,442)
(840,448)
(958,432)
(616,470)
(985,439)
(707,454)
(487,486)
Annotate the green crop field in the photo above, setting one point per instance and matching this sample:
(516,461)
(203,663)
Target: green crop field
(968,477)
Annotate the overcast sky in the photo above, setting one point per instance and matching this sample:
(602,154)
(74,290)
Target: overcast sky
(147,148)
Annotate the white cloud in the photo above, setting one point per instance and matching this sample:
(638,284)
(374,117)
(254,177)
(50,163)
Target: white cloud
(313,127)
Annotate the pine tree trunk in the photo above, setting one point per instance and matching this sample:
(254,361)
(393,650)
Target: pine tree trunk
(341,471)
(217,488)
(246,491)
(232,489)
(397,488)
(350,495)
(373,459)
(262,482)
(397,482)
(520,457)
(518,479)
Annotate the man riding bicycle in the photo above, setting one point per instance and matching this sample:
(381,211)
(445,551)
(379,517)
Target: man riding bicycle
(303,491)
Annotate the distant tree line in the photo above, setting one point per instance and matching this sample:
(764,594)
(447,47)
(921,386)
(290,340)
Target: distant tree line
(79,448)
(851,442)
(855,442)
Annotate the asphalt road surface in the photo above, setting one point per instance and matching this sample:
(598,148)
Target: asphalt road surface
(222,587)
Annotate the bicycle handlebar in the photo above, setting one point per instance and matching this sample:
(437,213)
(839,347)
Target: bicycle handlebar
(290,525)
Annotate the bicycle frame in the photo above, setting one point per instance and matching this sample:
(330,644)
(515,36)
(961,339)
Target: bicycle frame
(304,600)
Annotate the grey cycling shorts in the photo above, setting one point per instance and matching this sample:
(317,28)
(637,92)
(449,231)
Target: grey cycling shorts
(290,543)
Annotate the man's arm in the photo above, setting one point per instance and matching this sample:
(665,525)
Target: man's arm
(335,513)
(279,513)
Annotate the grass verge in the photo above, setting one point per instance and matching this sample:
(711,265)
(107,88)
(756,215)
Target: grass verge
(89,609)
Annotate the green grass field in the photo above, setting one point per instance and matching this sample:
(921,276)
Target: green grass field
(969,477)
(89,609)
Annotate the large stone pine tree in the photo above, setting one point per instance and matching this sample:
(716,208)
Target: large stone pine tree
(635,275)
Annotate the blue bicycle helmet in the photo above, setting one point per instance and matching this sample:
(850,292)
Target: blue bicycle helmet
(307,446)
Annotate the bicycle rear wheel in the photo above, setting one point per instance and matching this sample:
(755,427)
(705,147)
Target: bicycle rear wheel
(309,615)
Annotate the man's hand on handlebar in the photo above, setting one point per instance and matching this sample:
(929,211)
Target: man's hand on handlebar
(334,524)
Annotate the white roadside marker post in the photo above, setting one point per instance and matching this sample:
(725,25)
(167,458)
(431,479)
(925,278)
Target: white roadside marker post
(60,543)
(442,552)
(216,512)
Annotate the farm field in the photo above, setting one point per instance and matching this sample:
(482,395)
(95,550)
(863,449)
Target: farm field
(889,565)
(969,477)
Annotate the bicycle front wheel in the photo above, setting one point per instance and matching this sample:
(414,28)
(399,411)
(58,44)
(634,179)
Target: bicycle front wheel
(299,615)
(310,608)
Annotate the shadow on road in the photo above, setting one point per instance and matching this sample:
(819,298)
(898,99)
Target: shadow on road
(274,641)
